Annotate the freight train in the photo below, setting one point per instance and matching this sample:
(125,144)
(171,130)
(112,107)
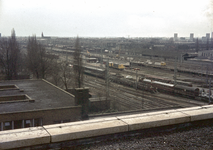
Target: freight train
(131,83)
(147,84)
(156,86)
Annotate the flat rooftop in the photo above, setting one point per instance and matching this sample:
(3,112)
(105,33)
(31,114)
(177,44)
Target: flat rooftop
(38,95)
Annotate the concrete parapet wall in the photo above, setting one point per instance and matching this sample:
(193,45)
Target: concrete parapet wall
(99,104)
(85,130)
(23,137)
(48,134)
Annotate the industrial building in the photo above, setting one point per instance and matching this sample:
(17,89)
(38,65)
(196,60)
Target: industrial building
(30,103)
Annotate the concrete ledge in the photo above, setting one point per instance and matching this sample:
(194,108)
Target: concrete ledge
(147,114)
(80,122)
(52,134)
(207,106)
(78,131)
(190,108)
(162,112)
(200,114)
(23,137)
(131,116)
(151,121)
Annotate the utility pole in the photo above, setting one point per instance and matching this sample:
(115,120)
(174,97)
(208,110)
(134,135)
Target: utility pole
(207,73)
(136,83)
(210,90)
(101,62)
(181,58)
(102,57)
(142,100)
(66,57)
(107,79)
(175,72)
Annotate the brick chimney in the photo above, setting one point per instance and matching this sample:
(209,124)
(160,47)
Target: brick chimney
(82,98)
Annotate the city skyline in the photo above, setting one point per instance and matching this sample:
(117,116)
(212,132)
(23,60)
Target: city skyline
(106,18)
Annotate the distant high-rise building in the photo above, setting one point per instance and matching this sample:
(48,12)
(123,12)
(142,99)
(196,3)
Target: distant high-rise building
(0,35)
(175,36)
(211,41)
(191,36)
(207,36)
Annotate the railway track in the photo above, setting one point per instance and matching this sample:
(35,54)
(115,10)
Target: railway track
(120,98)
(179,100)
(140,99)
(137,99)
(148,95)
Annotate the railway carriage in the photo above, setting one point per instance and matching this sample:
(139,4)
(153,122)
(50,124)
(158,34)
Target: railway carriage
(97,72)
(186,91)
(173,89)
(159,86)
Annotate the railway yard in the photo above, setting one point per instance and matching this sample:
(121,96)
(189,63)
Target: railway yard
(125,97)
(136,100)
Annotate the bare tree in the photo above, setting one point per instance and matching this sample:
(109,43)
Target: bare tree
(56,70)
(46,62)
(32,56)
(5,58)
(66,74)
(10,56)
(15,54)
(78,65)
(39,62)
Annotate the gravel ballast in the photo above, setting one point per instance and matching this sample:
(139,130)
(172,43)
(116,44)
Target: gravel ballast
(198,136)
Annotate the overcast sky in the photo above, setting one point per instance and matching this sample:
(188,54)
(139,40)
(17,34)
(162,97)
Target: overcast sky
(106,18)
